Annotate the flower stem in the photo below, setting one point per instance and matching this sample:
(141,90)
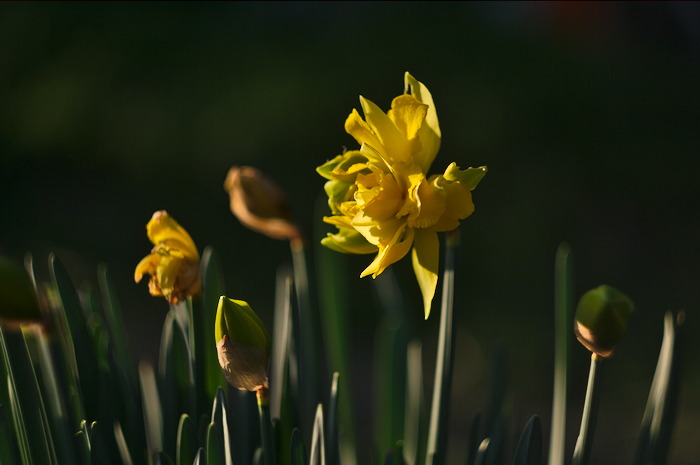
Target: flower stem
(437,436)
(584,442)
(268,447)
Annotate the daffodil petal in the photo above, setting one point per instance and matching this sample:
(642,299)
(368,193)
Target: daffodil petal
(431,203)
(458,205)
(147,265)
(425,258)
(394,142)
(163,227)
(395,250)
(429,133)
(469,177)
(361,130)
(408,114)
(348,240)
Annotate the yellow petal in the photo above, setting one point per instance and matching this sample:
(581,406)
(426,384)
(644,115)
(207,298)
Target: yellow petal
(147,265)
(392,252)
(378,195)
(429,133)
(458,205)
(162,227)
(376,232)
(425,258)
(392,139)
(431,205)
(360,130)
(348,240)
(469,177)
(408,114)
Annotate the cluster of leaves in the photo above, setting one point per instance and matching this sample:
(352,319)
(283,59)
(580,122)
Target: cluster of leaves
(71,393)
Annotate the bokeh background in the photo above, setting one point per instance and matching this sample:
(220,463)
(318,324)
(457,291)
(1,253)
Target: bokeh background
(586,114)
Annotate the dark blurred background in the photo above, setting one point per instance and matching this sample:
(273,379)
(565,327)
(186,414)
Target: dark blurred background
(586,114)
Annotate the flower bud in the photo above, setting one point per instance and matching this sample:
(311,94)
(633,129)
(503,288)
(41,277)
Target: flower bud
(259,203)
(242,345)
(601,319)
(18,302)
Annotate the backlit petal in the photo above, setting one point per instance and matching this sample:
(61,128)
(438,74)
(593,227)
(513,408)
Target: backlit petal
(392,139)
(162,227)
(348,240)
(425,258)
(392,252)
(429,133)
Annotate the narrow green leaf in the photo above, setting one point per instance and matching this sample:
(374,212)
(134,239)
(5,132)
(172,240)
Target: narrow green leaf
(395,455)
(122,445)
(218,437)
(318,446)
(529,450)
(563,322)
(332,423)
(308,347)
(28,410)
(212,288)
(491,449)
(280,339)
(258,457)
(8,446)
(186,446)
(115,323)
(176,378)
(123,383)
(481,451)
(152,413)
(215,445)
(78,346)
(282,407)
(201,457)
(244,426)
(335,298)
(52,392)
(298,451)
(660,412)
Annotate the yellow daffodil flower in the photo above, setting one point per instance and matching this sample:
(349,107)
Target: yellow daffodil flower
(173,262)
(381,198)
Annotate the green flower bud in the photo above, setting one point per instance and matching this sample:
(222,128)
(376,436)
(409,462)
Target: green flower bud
(242,345)
(601,319)
(18,302)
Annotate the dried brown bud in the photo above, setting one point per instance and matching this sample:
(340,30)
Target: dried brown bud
(259,203)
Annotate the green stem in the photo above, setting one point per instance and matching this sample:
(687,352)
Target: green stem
(584,442)
(266,427)
(437,436)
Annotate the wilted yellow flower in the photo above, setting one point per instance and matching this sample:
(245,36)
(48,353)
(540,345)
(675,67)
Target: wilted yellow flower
(173,262)
(259,203)
(381,197)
